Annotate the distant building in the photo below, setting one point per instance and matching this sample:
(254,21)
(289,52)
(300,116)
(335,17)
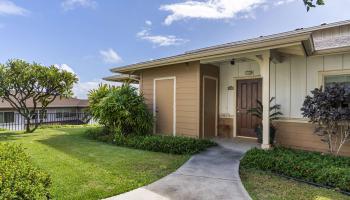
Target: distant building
(60,110)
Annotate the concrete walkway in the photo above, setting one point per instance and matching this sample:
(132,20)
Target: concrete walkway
(210,175)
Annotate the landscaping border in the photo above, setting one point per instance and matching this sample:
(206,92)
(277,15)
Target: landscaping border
(303,181)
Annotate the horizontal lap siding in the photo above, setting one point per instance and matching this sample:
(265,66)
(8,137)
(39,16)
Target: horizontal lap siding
(187,94)
(301,136)
(225,127)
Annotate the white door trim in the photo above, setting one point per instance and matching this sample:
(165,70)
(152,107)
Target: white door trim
(174,104)
(217,103)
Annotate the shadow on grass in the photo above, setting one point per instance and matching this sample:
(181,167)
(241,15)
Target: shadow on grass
(113,158)
(75,143)
(12,135)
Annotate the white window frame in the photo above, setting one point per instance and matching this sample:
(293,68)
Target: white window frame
(322,75)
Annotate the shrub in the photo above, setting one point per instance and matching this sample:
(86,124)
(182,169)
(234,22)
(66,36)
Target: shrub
(121,109)
(274,114)
(18,178)
(313,167)
(157,143)
(329,110)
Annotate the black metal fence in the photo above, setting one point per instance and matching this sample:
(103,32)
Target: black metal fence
(15,121)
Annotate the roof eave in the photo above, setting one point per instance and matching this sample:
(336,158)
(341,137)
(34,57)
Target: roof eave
(236,49)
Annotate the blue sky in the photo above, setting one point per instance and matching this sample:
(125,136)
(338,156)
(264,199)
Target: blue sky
(89,36)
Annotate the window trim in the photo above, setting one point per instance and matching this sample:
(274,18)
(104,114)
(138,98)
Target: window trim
(323,74)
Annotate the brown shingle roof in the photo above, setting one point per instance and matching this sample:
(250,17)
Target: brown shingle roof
(58,102)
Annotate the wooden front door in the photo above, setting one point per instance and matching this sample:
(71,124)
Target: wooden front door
(248,91)
(164,106)
(209,107)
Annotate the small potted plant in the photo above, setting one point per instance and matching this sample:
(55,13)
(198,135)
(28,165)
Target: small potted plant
(274,115)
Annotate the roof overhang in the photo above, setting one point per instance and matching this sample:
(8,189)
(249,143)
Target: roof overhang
(123,78)
(331,51)
(244,47)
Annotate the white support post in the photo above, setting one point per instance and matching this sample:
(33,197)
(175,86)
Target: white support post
(265,74)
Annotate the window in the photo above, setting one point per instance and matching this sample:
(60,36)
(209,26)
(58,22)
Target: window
(73,112)
(43,114)
(66,113)
(7,117)
(58,114)
(341,78)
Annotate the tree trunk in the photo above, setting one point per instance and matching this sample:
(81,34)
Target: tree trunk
(28,125)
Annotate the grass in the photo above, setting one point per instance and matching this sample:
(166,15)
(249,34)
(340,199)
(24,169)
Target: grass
(264,186)
(85,169)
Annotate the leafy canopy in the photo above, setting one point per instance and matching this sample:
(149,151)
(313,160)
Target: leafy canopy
(23,84)
(311,3)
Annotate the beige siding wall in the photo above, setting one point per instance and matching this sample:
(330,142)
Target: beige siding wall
(301,136)
(225,128)
(187,94)
(297,76)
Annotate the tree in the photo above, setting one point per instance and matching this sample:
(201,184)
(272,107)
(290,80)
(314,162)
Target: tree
(311,3)
(23,84)
(329,110)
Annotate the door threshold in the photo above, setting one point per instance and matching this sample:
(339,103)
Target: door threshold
(246,137)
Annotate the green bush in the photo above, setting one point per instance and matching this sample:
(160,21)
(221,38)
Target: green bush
(313,167)
(18,178)
(157,143)
(121,109)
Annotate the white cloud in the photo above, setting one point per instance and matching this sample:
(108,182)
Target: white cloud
(72,4)
(64,67)
(81,89)
(281,2)
(110,56)
(209,9)
(160,40)
(148,23)
(10,8)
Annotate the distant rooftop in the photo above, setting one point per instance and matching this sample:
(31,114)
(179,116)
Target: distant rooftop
(57,103)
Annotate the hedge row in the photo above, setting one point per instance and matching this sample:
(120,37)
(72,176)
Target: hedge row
(19,179)
(157,143)
(312,167)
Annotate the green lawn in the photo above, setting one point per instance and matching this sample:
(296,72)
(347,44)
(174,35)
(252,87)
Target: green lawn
(263,186)
(84,169)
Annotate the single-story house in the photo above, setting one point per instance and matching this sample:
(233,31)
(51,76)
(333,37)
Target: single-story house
(206,92)
(60,110)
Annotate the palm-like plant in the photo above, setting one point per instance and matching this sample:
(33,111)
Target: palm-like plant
(275,114)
